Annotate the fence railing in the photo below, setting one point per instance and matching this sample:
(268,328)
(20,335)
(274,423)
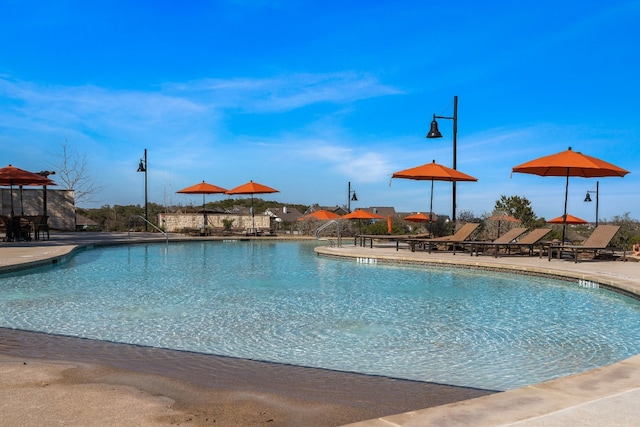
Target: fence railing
(325,226)
(166,236)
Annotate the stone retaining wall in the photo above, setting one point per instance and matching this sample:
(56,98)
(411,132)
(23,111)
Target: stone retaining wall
(176,223)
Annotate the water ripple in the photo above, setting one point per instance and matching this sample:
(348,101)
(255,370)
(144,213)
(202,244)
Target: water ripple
(279,302)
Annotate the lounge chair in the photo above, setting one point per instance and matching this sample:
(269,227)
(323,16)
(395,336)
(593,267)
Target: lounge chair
(460,236)
(598,241)
(506,238)
(362,238)
(529,241)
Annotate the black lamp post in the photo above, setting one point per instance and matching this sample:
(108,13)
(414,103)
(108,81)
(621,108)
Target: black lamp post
(142,167)
(350,197)
(588,198)
(435,133)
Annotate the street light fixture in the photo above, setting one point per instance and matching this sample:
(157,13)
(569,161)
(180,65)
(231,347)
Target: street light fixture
(435,133)
(588,198)
(142,167)
(351,198)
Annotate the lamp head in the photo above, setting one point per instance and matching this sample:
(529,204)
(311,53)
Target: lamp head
(588,197)
(141,167)
(354,198)
(434,132)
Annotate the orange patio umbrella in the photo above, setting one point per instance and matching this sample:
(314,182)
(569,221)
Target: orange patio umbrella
(503,218)
(433,172)
(203,188)
(360,214)
(570,163)
(420,217)
(11,175)
(252,188)
(569,219)
(320,215)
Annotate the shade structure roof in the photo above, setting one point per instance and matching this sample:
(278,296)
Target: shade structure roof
(202,188)
(570,163)
(252,188)
(433,171)
(503,218)
(420,217)
(569,220)
(320,215)
(11,175)
(362,214)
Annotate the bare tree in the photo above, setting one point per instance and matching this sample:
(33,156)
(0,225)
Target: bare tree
(72,173)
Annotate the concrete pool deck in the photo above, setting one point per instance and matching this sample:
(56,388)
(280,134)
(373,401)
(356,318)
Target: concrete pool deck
(606,395)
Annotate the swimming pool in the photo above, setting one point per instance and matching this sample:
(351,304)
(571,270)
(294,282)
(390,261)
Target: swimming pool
(279,302)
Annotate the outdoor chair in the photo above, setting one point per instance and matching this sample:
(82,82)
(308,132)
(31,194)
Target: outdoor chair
(508,237)
(41,225)
(598,241)
(4,224)
(528,241)
(460,236)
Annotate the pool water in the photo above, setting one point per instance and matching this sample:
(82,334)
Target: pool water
(280,302)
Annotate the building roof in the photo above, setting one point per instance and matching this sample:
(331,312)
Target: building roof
(285,213)
(381,210)
(83,221)
(315,207)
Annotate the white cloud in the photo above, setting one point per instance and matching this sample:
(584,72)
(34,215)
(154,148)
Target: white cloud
(284,93)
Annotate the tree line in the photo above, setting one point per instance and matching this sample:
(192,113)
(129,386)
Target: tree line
(118,217)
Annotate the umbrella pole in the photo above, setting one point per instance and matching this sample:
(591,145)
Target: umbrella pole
(11,194)
(21,203)
(44,200)
(431,211)
(564,217)
(204,214)
(253,221)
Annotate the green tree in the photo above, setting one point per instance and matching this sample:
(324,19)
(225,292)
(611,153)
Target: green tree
(119,217)
(465,216)
(518,207)
(227,224)
(629,231)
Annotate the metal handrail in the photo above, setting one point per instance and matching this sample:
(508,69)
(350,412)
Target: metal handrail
(166,236)
(327,225)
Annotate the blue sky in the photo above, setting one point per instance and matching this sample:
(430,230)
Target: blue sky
(307,96)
